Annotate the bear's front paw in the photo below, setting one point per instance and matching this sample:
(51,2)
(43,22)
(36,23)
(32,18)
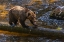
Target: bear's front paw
(25,26)
(12,25)
(30,27)
(35,26)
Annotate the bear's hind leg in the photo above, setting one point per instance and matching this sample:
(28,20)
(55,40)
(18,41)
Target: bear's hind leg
(13,22)
(10,22)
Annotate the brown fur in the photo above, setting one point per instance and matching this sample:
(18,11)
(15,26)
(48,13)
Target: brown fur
(20,13)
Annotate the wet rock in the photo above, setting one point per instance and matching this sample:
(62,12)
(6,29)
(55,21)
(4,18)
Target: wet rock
(58,13)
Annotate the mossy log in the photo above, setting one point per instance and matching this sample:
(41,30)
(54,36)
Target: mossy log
(40,31)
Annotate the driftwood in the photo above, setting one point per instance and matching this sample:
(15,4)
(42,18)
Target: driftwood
(40,31)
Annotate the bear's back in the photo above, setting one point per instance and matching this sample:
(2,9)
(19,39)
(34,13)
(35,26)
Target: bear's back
(17,11)
(18,8)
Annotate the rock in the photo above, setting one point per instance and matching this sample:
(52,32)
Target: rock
(58,13)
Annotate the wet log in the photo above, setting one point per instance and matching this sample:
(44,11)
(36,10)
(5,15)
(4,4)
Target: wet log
(40,31)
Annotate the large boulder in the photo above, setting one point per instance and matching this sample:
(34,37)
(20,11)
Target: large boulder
(58,13)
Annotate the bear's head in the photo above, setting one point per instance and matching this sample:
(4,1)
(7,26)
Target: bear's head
(32,17)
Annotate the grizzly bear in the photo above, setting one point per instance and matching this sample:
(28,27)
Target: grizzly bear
(21,13)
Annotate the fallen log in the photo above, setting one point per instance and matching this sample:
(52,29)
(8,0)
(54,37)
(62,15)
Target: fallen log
(40,31)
